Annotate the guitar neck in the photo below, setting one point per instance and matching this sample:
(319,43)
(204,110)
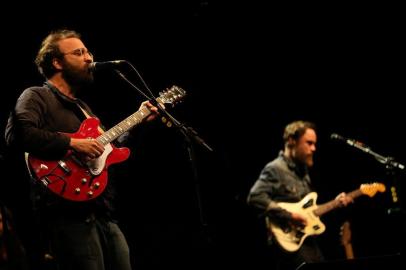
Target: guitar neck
(170,96)
(333,204)
(125,125)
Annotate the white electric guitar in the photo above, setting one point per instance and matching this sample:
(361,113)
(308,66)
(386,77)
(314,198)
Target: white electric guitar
(291,238)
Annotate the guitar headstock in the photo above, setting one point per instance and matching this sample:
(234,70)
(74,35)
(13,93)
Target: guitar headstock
(372,189)
(171,96)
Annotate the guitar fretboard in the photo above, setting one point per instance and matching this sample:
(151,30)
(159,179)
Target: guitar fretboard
(328,206)
(125,125)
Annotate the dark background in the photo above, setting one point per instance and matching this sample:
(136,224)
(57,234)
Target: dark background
(248,69)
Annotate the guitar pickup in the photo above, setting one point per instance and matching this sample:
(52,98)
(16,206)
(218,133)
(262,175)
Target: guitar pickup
(45,180)
(299,235)
(64,167)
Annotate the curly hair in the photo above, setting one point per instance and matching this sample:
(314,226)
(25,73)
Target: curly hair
(49,50)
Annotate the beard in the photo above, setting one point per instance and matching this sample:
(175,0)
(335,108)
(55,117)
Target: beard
(309,161)
(304,159)
(77,78)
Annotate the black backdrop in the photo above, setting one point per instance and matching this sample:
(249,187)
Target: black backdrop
(248,69)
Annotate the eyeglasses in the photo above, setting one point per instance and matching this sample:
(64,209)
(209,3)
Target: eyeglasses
(79,52)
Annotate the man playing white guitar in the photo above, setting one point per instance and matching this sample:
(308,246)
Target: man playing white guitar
(286,179)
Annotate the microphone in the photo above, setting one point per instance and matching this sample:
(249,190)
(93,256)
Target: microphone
(348,141)
(97,66)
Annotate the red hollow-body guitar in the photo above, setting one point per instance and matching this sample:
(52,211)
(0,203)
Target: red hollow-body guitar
(75,179)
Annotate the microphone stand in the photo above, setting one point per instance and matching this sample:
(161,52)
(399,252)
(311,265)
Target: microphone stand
(389,162)
(397,211)
(390,166)
(189,134)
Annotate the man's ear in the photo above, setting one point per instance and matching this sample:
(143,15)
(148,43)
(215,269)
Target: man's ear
(57,63)
(291,142)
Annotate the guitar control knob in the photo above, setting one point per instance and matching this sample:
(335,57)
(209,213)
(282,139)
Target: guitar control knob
(77,190)
(97,185)
(90,194)
(84,180)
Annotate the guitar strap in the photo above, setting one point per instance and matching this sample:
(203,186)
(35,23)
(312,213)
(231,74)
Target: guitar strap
(88,116)
(28,166)
(84,111)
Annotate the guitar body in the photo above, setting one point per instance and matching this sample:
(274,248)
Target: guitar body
(290,239)
(71,177)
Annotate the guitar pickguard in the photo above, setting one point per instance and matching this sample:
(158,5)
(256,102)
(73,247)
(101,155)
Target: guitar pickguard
(96,165)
